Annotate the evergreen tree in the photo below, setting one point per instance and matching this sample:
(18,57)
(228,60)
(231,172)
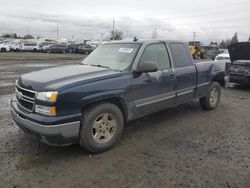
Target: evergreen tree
(234,39)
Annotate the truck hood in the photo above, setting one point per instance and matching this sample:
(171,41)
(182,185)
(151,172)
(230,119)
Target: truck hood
(239,51)
(59,78)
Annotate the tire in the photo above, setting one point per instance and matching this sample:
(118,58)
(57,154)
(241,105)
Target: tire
(196,55)
(202,56)
(35,50)
(3,50)
(98,121)
(212,100)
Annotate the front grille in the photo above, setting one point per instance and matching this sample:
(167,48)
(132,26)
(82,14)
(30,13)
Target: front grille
(25,98)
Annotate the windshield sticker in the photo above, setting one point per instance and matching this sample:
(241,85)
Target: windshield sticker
(126,50)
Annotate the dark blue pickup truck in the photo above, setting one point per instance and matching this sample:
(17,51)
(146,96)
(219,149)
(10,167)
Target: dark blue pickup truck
(118,82)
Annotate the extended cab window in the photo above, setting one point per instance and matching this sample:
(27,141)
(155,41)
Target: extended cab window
(180,54)
(157,53)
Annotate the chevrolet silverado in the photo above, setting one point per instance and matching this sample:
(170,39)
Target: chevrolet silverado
(120,81)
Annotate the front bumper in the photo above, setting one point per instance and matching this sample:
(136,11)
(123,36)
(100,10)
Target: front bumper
(239,79)
(56,134)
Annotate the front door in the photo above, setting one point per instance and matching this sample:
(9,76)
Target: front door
(153,91)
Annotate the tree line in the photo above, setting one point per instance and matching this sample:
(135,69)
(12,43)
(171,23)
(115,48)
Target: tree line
(224,44)
(15,36)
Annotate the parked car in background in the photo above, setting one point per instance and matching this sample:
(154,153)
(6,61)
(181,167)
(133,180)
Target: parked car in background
(15,46)
(58,48)
(30,46)
(46,48)
(211,51)
(223,56)
(46,43)
(239,71)
(221,51)
(74,48)
(86,49)
(4,47)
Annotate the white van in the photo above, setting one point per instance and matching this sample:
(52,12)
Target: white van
(33,47)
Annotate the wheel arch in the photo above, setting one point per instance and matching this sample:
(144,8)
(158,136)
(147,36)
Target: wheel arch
(116,100)
(220,78)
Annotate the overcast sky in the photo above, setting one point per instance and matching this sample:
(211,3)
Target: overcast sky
(211,20)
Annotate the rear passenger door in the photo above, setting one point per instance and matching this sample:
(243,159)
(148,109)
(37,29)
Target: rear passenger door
(185,72)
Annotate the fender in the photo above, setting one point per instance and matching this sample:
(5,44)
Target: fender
(115,96)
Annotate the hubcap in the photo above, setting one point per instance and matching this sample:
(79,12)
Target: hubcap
(104,128)
(214,96)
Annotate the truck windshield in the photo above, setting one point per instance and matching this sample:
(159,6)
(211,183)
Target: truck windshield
(113,56)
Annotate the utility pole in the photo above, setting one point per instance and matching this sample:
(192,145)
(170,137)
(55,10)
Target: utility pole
(28,28)
(194,36)
(102,36)
(113,32)
(57,32)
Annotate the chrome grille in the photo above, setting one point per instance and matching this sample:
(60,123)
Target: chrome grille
(25,98)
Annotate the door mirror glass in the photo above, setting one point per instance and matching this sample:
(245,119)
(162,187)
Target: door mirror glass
(147,66)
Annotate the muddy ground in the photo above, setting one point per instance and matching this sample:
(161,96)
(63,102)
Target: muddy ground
(178,147)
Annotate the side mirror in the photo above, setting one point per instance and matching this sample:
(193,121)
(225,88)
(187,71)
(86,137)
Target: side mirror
(147,66)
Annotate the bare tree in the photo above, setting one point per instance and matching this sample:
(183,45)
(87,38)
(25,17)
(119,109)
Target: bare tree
(116,35)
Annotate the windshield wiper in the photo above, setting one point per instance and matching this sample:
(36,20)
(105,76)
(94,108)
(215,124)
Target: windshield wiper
(100,66)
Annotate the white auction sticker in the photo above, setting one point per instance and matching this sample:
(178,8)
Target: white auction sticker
(126,50)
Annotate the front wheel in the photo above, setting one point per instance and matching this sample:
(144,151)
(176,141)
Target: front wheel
(101,127)
(212,100)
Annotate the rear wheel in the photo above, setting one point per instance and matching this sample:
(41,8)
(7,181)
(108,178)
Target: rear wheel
(101,127)
(212,100)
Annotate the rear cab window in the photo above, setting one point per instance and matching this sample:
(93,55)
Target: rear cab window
(180,55)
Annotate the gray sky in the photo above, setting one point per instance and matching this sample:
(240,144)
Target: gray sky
(178,19)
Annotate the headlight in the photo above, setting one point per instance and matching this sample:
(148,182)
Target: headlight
(45,110)
(50,96)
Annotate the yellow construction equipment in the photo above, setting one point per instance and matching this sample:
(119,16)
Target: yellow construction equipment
(197,50)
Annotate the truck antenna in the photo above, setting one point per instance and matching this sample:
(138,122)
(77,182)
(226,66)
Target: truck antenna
(135,39)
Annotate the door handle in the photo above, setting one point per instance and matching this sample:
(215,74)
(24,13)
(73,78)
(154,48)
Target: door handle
(171,75)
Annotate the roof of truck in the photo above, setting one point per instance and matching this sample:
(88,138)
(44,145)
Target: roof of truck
(140,41)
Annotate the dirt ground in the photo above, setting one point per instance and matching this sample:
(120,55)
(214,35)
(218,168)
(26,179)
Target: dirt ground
(178,147)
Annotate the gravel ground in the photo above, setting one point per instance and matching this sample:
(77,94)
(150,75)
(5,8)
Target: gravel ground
(178,147)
